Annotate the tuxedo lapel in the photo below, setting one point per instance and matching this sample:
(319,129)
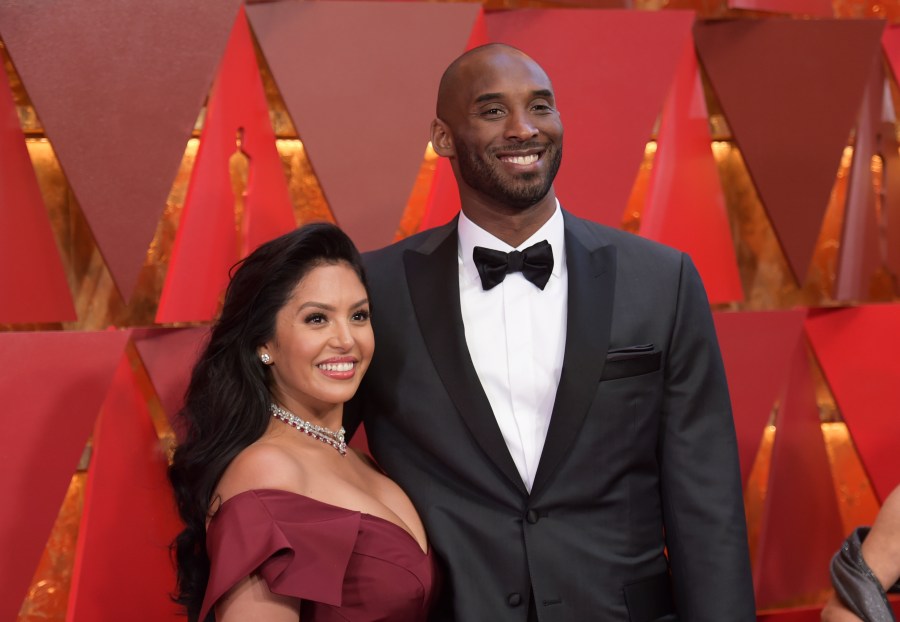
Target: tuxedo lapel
(433,280)
(591,267)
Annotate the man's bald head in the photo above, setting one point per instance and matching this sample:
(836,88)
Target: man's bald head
(467,68)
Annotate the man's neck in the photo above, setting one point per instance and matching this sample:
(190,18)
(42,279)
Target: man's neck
(512,225)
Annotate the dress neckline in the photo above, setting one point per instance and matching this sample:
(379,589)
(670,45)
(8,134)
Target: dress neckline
(365,515)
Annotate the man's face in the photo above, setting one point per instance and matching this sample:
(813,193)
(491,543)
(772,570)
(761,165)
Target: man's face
(506,131)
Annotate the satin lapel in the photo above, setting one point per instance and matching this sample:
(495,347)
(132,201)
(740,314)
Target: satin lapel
(592,276)
(433,279)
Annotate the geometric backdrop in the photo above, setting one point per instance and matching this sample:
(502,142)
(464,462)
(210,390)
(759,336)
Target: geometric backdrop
(812,374)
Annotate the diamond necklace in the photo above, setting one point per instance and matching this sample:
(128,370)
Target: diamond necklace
(320,433)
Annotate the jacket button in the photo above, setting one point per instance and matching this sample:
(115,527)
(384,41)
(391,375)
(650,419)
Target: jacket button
(514,599)
(532,517)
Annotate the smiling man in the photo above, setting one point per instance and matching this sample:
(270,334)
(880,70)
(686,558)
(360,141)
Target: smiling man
(549,391)
(498,123)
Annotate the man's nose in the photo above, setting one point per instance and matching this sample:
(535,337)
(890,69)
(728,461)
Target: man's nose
(520,126)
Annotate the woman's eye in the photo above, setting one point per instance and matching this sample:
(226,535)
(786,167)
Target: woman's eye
(362,315)
(315,318)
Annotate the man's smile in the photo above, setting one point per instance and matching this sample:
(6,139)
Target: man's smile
(523,160)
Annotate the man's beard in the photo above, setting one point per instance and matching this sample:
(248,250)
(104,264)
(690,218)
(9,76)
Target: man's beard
(520,192)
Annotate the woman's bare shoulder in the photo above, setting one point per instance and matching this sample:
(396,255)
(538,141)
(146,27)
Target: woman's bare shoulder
(263,465)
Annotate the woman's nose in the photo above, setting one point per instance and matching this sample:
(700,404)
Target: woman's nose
(343,336)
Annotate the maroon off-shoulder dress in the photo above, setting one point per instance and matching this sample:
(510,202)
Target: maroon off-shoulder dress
(342,564)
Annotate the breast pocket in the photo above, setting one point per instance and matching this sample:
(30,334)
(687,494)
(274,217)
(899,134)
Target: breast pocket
(631,361)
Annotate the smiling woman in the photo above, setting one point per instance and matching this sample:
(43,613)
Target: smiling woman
(322,344)
(282,523)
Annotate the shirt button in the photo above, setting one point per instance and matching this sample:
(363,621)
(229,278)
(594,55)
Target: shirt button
(514,599)
(532,517)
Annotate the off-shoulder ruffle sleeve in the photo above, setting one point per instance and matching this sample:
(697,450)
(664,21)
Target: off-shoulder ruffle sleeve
(300,546)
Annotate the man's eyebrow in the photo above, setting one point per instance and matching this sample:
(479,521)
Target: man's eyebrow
(487,97)
(493,96)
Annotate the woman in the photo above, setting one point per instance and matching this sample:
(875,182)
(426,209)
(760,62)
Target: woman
(866,569)
(282,520)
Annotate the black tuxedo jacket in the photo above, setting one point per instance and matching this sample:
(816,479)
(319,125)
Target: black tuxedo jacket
(636,512)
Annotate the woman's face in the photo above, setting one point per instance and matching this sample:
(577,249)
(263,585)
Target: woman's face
(323,341)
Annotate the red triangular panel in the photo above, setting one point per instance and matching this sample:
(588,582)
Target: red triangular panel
(685,206)
(808,8)
(52,386)
(859,247)
(611,71)
(790,90)
(207,244)
(891,44)
(122,559)
(479,34)
(757,348)
(360,440)
(169,356)
(33,285)
(889,239)
(118,85)
(805,614)
(443,198)
(360,81)
(801,526)
(858,351)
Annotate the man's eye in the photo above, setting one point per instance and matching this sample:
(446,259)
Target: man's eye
(492,112)
(315,318)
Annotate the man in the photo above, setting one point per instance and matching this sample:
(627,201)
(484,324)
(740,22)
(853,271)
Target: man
(564,431)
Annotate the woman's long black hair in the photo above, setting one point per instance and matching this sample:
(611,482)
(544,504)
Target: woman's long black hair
(227,401)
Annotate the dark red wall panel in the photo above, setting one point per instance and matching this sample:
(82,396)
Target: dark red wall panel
(791,90)
(52,386)
(118,85)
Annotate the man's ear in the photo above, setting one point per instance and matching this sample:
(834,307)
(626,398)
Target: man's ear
(441,139)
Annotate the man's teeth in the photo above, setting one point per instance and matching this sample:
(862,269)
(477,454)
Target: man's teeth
(529,159)
(335,366)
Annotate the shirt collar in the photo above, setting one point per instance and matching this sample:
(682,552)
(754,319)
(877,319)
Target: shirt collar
(471,235)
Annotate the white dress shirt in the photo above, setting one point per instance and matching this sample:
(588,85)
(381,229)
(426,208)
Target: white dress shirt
(516,334)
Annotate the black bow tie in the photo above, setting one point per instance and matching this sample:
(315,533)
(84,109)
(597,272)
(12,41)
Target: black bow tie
(535,263)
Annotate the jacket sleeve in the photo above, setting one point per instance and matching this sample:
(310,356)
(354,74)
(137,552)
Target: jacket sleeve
(703,510)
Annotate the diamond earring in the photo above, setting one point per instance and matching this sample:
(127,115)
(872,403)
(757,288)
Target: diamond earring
(265,358)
